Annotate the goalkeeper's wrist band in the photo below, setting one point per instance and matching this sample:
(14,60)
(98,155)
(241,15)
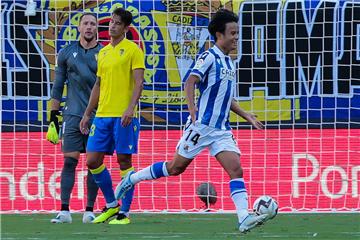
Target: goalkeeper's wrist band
(54,114)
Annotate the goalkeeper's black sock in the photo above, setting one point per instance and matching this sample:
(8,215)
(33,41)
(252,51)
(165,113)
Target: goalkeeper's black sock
(89,209)
(92,191)
(67,179)
(65,207)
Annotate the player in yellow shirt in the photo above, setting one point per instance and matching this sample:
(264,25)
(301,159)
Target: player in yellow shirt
(116,94)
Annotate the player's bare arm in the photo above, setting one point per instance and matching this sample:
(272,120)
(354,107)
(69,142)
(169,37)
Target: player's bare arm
(55,104)
(93,102)
(251,118)
(190,95)
(139,85)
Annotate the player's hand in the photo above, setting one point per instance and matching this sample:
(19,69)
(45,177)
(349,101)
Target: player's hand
(84,125)
(127,117)
(54,119)
(192,112)
(52,134)
(251,118)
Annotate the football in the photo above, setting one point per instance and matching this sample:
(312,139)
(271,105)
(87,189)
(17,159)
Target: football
(266,205)
(207,193)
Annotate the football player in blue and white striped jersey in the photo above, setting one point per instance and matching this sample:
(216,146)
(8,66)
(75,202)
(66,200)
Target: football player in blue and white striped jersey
(208,124)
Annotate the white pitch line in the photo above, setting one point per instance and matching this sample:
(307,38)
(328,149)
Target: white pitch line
(156,237)
(148,233)
(207,219)
(351,233)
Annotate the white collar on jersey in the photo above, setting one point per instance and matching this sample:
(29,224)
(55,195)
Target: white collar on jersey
(219,52)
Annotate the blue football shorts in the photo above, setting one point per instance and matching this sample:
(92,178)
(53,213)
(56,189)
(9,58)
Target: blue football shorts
(106,135)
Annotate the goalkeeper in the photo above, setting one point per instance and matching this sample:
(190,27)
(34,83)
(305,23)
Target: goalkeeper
(76,66)
(116,93)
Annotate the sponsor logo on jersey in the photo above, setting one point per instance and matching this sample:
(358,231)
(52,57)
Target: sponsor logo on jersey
(227,74)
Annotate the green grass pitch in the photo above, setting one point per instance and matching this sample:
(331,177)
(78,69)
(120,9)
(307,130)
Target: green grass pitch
(183,226)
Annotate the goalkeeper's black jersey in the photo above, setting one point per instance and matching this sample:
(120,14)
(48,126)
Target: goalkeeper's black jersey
(76,67)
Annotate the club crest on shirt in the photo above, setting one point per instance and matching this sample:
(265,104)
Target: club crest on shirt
(199,63)
(96,56)
(74,54)
(122,51)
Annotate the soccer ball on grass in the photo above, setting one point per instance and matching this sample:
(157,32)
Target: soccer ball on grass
(266,205)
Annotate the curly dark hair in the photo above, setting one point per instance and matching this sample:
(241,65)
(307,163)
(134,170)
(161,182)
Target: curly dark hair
(219,21)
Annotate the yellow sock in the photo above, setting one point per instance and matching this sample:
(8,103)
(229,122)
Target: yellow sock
(124,172)
(98,170)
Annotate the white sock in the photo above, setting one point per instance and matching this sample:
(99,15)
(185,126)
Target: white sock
(241,203)
(112,204)
(144,174)
(127,214)
(240,198)
(155,171)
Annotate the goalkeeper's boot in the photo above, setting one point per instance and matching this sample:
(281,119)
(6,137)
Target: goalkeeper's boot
(106,214)
(120,219)
(62,217)
(124,186)
(251,221)
(88,217)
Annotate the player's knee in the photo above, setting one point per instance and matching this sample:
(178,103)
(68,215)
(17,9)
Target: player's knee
(70,163)
(124,160)
(236,172)
(93,163)
(75,155)
(175,171)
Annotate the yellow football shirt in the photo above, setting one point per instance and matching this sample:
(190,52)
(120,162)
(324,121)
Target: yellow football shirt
(115,70)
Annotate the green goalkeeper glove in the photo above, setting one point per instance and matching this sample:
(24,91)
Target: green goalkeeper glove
(53,130)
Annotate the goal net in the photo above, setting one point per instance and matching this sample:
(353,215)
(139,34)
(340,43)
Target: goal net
(298,69)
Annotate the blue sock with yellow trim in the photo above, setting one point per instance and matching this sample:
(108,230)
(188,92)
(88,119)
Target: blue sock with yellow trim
(127,200)
(103,179)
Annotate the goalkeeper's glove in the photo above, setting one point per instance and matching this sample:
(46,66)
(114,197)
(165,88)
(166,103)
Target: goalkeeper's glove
(53,130)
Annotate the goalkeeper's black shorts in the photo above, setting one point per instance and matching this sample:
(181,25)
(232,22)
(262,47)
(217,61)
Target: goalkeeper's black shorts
(72,139)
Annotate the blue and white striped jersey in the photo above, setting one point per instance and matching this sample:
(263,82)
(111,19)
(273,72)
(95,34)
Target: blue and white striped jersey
(217,83)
